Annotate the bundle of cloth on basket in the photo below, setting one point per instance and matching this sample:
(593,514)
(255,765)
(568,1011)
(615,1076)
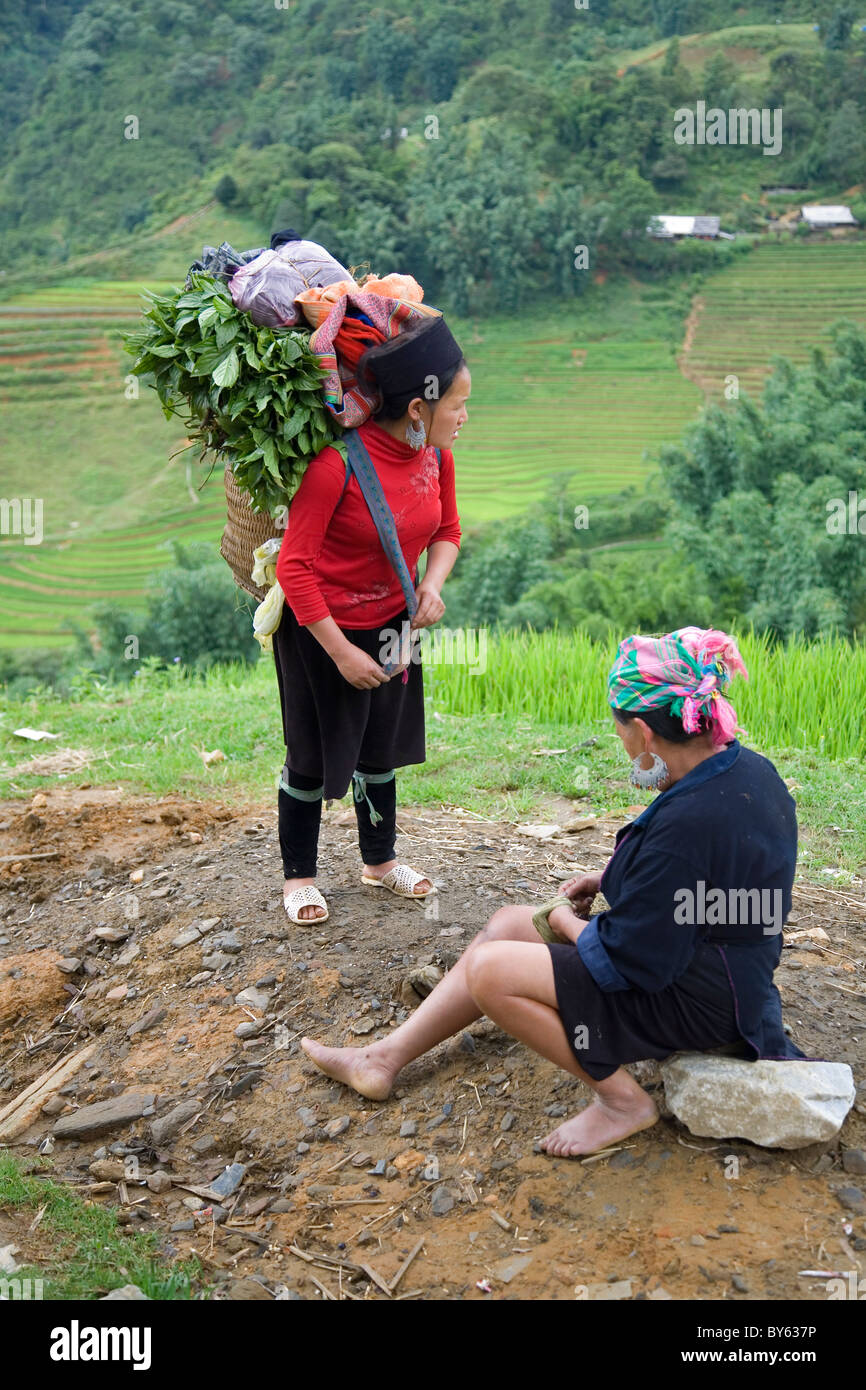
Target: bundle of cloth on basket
(347,318)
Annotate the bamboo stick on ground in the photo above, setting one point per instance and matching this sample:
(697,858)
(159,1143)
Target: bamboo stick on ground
(20,1113)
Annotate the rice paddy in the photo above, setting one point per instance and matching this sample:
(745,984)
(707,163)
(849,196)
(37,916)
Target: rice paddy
(595,398)
(780,299)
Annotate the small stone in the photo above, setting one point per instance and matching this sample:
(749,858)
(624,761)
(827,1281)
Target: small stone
(606,1292)
(408,1129)
(852,1199)
(128,954)
(334,1128)
(161,892)
(739,1283)
(204,1144)
(854,1161)
(728,1230)
(54,1106)
(282,1204)
(186,938)
(697,1240)
(229,1180)
(364,1025)
(159,1182)
(183,1226)
(136,876)
(227,941)
(217,961)
(624,1159)
(507,1270)
(555,1110)
(247,1290)
(302,1148)
(249,1029)
(167,1126)
(253,998)
(119,992)
(147,1021)
(206,924)
(193,1203)
(105,1115)
(111,934)
(378,1170)
(126,1293)
(107,1170)
(507,1121)
(442,1201)
(69,965)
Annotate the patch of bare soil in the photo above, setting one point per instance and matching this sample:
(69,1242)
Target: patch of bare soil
(336,1192)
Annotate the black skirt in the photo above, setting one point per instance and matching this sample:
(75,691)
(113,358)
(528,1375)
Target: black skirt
(605,1030)
(330,726)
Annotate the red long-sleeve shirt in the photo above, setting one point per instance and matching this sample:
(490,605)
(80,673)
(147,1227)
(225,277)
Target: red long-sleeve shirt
(331,562)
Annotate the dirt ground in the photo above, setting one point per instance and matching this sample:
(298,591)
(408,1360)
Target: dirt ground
(331,1215)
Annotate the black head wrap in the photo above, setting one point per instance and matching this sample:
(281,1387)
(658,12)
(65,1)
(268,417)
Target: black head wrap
(280,238)
(415,356)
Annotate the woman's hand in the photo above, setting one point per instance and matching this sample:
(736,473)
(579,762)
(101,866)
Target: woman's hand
(430,605)
(582,890)
(564,922)
(359,669)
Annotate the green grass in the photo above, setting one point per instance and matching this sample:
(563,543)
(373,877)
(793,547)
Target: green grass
(91,1254)
(540,691)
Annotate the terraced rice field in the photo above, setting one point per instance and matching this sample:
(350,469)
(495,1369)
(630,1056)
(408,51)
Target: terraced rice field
(780,299)
(42,588)
(542,405)
(113,497)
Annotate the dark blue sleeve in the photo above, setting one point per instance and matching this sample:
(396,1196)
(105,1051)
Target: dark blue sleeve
(638,943)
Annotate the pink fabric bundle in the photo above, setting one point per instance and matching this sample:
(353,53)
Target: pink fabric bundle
(684,672)
(349,402)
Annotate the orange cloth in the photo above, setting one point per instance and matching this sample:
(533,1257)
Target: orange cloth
(354,338)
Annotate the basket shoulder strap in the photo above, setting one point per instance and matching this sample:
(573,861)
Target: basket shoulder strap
(383,518)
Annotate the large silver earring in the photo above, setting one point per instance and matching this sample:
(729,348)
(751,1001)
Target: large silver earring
(416,437)
(648,777)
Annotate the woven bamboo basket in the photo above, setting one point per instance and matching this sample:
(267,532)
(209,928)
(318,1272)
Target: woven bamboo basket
(245,531)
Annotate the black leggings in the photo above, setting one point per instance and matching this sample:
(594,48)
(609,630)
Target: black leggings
(300,815)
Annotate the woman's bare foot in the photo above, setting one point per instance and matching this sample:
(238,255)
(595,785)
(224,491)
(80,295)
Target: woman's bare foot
(601,1124)
(421,889)
(312,913)
(357,1067)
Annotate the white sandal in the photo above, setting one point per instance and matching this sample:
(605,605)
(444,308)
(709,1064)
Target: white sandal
(308,896)
(400,880)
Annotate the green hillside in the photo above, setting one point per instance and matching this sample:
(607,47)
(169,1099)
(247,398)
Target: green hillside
(134,134)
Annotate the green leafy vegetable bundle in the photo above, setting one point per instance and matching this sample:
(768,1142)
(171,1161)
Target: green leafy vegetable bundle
(252,394)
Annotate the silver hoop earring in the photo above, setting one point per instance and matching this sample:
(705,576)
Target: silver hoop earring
(649,777)
(416,436)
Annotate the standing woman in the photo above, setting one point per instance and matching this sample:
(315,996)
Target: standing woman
(345,719)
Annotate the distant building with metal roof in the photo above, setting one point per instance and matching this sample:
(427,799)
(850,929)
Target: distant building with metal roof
(828,215)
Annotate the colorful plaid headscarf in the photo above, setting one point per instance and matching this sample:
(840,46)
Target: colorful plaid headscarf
(683,672)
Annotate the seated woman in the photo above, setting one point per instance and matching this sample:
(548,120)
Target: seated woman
(671,965)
